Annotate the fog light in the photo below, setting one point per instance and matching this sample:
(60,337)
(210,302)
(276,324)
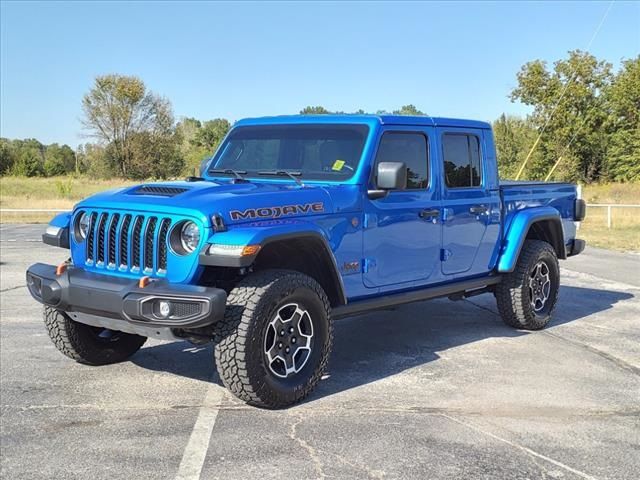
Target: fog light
(164,308)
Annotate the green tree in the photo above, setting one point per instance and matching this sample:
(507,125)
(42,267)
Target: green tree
(211,133)
(191,153)
(317,110)
(154,156)
(7,156)
(117,108)
(408,110)
(96,161)
(513,138)
(29,163)
(623,100)
(58,160)
(187,129)
(568,100)
(199,140)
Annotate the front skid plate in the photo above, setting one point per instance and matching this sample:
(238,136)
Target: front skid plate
(161,333)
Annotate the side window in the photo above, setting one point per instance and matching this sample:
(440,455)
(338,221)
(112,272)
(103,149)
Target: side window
(410,148)
(461,160)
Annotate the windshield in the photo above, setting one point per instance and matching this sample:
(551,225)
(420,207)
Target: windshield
(314,152)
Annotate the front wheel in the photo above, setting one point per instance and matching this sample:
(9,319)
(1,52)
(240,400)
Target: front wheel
(527,296)
(273,344)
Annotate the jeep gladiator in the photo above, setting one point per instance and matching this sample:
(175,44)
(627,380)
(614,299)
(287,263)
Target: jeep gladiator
(294,222)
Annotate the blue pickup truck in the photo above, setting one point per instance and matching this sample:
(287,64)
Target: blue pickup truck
(294,222)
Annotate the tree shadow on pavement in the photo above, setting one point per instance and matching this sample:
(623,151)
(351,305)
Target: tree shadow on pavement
(381,344)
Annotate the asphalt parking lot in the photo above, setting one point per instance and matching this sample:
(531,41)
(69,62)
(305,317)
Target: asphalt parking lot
(427,391)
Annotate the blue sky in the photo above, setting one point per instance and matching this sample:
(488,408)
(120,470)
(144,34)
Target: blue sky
(235,60)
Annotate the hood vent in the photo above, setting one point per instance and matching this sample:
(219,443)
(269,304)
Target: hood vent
(160,191)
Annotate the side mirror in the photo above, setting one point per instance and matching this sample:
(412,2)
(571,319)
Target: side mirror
(392,176)
(389,176)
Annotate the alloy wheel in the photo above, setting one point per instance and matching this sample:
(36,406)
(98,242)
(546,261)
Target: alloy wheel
(287,341)
(539,286)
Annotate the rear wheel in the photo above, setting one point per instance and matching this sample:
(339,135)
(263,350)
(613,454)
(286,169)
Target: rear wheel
(527,296)
(87,344)
(274,342)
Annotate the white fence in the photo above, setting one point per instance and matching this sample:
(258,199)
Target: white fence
(608,206)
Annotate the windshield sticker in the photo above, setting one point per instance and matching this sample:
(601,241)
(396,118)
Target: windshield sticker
(276,212)
(337,165)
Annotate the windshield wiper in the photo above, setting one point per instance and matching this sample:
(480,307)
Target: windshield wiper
(284,173)
(238,173)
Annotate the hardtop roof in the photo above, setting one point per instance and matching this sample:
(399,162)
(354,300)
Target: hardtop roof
(422,120)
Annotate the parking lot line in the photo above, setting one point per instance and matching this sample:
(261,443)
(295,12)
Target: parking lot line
(196,449)
(522,448)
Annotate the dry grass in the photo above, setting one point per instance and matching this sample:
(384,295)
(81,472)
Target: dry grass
(47,193)
(65,192)
(612,193)
(624,233)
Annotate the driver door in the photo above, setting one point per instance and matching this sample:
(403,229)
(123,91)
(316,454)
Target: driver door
(402,231)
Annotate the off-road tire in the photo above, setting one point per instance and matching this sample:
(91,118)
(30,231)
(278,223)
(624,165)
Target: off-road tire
(82,343)
(513,295)
(239,337)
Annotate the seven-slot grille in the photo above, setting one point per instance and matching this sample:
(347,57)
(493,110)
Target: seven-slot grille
(128,242)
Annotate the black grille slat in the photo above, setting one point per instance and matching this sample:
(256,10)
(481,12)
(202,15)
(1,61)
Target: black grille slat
(91,237)
(113,228)
(128,242)
(159,190)
(135,241)
(149,234)
(101,234)
(162,244)
(124,241)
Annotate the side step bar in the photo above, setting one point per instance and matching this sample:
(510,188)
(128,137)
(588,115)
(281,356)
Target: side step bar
(367,305)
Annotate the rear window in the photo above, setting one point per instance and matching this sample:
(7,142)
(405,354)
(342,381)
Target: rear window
(461,155)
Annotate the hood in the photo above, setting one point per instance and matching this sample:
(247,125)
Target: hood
(235,202)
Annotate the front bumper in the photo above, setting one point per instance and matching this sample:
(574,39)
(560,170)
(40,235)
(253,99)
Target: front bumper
(76,290)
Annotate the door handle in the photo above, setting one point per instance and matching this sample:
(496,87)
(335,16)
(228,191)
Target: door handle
(433,212)
(479,209)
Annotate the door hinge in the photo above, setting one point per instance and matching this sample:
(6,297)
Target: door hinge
(445,254)
(368,221)
(368,264)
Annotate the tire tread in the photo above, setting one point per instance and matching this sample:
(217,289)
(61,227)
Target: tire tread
(512,293)
(244,304)
(74,340)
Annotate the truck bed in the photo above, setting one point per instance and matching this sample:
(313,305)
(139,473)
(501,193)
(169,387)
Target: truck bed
(518,195)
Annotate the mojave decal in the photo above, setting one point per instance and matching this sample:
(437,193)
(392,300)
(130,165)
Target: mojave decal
(276,212)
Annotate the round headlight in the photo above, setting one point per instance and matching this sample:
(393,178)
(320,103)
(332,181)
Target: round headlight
(82,226)
(189,236)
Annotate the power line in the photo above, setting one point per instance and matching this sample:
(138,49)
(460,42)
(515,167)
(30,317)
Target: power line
(564,90)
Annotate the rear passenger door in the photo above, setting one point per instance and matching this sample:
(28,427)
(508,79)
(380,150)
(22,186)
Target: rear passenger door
(470,205)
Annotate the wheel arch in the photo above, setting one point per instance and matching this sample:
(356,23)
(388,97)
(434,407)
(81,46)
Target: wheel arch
(304,252)
(295,246)
(541,223)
